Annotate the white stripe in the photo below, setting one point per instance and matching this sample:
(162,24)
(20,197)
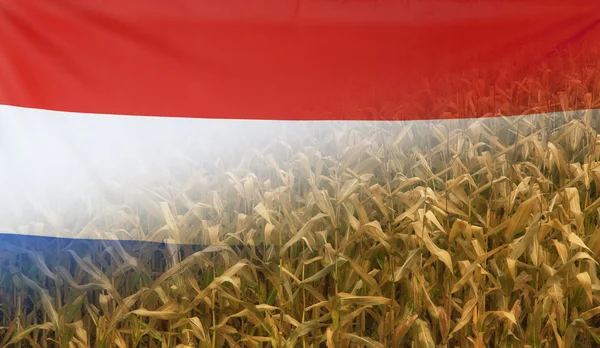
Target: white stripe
(47,155)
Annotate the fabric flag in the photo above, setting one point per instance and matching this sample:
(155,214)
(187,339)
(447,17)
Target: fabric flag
(134,134)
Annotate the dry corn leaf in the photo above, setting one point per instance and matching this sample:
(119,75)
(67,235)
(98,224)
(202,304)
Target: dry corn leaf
(262,211)
(347,299)
(303,231)
(441,254)
(576,242)
(163,315)
(425,339)
(521,217)
(24,333)
(586,283)
(363,341)
(411,260)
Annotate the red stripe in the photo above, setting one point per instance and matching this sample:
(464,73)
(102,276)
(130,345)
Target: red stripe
(198,59)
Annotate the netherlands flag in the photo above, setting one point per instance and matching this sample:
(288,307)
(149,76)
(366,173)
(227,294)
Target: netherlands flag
(153,152)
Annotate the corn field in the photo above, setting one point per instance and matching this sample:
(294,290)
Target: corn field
(470,232)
